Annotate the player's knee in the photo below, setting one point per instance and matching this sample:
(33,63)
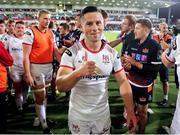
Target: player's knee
(39,96)
(142,111)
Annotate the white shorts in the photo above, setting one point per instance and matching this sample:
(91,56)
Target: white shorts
(175,126)
(16,74)
(100,126)
(41,73)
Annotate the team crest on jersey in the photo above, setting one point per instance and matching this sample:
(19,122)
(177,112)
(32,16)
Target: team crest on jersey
(145,50)
(105,59)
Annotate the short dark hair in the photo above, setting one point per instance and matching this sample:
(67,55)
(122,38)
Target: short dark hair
(104,14)
(51,25)
(10,21)
(72,24)
(145,23)
(2,22)
(65,26)
(89,9)
(20,22)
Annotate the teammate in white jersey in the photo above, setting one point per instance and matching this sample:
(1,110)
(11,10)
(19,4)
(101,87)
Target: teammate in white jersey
(2,28)
(169,58)
(10,27)
(13,44)
(85,69)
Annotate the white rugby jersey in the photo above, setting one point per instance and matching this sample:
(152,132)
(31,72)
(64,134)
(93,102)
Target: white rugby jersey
(89,97)
(14,46)
(173,54)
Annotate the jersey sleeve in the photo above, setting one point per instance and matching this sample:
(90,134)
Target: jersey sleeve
(28,37)
(67,59)
(117,65)
(172,49)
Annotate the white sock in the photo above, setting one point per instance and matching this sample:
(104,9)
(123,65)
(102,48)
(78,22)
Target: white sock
(45,103)
(41,112)
(166,97)
(25,95)
(19,102)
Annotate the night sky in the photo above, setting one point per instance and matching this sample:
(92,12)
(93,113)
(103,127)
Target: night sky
(175,12)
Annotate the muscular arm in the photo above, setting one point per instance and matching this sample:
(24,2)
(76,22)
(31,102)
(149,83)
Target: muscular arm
(26,61)
(166,61)
(57,53)
(125,90)
(115,42)
(126,93)
(66,79)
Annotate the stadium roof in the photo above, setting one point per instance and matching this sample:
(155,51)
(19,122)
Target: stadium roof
(150,4)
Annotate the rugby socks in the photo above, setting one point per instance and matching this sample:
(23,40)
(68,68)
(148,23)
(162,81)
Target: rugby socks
(19,102)
(166,97)
(41,112)
(25,95)
(45,103)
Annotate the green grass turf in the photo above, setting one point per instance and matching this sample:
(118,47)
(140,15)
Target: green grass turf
(112,36)
(57,111)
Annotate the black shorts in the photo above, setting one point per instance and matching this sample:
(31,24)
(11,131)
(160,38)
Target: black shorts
(164,73)
(142,96)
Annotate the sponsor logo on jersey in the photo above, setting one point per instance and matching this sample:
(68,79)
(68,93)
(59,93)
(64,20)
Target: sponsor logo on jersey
(142,99)
(94,77)
(134,49)
(68,52)
(139,57)
(28,33)
(17,49)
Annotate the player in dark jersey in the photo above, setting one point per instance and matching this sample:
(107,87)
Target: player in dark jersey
(75,36)
(142,60)
(127,32)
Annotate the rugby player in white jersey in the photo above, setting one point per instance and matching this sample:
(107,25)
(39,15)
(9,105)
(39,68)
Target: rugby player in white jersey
(10,27)
(13,44)
(169,58)
(85,69)
(2,28)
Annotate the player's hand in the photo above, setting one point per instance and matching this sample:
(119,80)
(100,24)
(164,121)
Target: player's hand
(87,67)
(29,80)
(129,59)
(131,122)
(127,65)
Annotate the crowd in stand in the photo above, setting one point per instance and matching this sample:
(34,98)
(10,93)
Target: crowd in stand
(75,57)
